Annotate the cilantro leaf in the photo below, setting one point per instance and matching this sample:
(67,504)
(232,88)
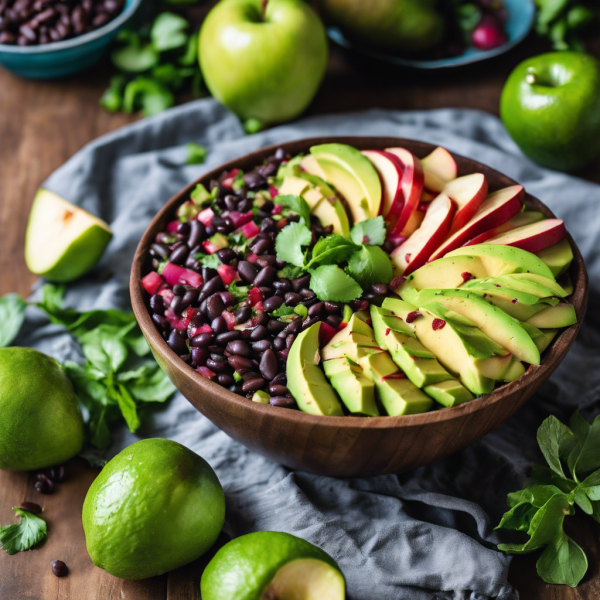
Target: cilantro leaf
(133,56)
(196,154)
(329,282)
(154,387)
(168,32)
(290,272)
(239,291)
(289,243)
(29,532)
(296,204)
(147,94)
(369,231)
(283,310)
(332,249)
(12,315)
(112,99)
(212,261)
(370,265)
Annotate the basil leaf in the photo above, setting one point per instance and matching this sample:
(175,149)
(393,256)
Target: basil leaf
(370,265)
(369,231)
(556,441)
(289,243)
(329,282)
(154,387)
(562,562)
(545,476)
(12,315)
(583,501)
(29,532)
(536,495)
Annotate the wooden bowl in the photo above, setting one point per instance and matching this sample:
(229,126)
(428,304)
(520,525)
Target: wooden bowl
(349,446)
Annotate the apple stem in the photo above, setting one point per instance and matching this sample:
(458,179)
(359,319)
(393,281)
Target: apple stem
(264,9)
(531,79)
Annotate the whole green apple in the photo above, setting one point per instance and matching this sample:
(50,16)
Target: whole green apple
(263,59)
(399,26)
(550,105)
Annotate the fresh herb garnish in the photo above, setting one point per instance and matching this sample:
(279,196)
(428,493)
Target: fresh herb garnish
(369,231)
(240,292)
(329,282)
(12,314)
(282,311)
(290,241)
(212,261)
(296,204)
(24,535)
(238,181)
(290,272)
(200,195)
(168,32)
(540,509)
(563,22)
(332,249)
(370,264)
(196,154)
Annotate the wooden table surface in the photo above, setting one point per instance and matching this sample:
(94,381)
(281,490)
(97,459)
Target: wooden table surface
(41,125)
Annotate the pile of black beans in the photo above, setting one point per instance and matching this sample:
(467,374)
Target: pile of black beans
(258,354)
(30,22)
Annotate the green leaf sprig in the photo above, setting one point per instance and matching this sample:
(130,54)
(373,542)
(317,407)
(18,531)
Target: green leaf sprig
(24,535)
(553,493)
(563,22)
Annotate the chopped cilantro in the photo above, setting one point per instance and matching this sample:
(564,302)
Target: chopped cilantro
(290,272)
(240,292)
(332,249)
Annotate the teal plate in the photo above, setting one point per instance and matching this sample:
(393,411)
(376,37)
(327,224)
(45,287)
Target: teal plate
(59,59)
(521,15)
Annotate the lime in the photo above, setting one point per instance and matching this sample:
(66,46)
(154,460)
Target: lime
(40,424)
(154,507)
(272,566)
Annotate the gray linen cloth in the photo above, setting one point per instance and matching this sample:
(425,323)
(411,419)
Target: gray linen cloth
(422,535)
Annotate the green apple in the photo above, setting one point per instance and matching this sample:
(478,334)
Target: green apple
(263,59)
(550,105)
(400,26)
(270,565)
(63,242)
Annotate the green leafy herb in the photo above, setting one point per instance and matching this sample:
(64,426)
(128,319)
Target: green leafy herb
(540,509)
(168,32)
(369,231)
(196,154)
(282,311)
(239,291)
(212,261)
(290,272)
(564,21)
(12,314)
(29,532)
(329,282)
(112,99)
(190,56)
(200,195)
(332,249)
(296,204)
(290,241)
(238,181)
(370,265)
(133,56)
(149,95)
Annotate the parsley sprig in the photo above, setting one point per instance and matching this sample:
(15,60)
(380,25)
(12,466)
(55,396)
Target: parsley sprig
(24,535)
(540,509)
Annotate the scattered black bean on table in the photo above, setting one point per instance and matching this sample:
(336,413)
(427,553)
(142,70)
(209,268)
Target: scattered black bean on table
(33,22)
(59,568)
(252,358)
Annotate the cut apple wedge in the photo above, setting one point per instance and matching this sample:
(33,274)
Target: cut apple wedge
(439,168)
(310,165)
(520,220)
(411,188)
(417,249)
(468,193)
(390,175)
(414,222)
(63,242)
(534,237)
(499,207)
(428,196)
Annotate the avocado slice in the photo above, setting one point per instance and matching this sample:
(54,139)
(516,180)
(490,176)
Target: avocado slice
(553,286)
(520,285)
(305,379)
(514,371)
(554,317)
(557,257)
(528,262)
(293,185)
(449,393)
(420,365)
(331,211)
(494,323)
(547,336)
(356,390)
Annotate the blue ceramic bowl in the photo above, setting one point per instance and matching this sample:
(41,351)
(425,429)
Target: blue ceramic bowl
(521,14)
(58,59)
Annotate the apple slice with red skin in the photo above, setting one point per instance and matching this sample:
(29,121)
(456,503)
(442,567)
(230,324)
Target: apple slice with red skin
(439,169)
(499,207)
(414,222)
(468,193)
(415,251)
(390,174)
(520,220)
(533,237)
(411,188)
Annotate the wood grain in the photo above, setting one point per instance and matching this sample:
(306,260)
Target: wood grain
(41,125)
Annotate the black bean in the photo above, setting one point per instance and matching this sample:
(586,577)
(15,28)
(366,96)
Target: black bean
(202,339)
(229,336)
(179,290)
(300,283)
(186,358)
(247,271)
(282,286)
(292,298)
(188,298)
(228,298)
(43,484)
(197,320)
(214,306)
(275,326)
(157,305)
(289,340)
(212,285)
(160,250)
(218,325)
(199,356)
(268,170)
(242,314)
(282,401)
(261,345)
(261,318)
(230,202)
(59,568)
(216,350)
(273,303)
(280,378)
(183,228)
(179,255)
(268,364)
(279,343)
(176,342)
(334,321)
(307,294)
(379,289)
(197,234)
(239,362)
(216,366)
(294,326)
(265,277)
(208,274)
(239,347)
(176,303)
(161,322)
(253,385)
(357,305)
(261,246)
(57,474)
(31,507)
(316,309)
(245,205)
(265,261)
(226,255)
(308,322)
(331,307)
(267,225)
(276,389)
(258,333)
(225,379)
(254,180)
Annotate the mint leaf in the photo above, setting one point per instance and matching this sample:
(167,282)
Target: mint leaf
(168,32)
(290,272)
(562,562)
(556,442)
(296,204)
(332,249)
(29,532)
(12,315)
(369,231)
(519,517)
(289,243)
(329,282)
(196,154)
(370,265)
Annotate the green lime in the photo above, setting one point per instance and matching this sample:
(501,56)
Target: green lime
(272,566)
(154,507)
(40,423)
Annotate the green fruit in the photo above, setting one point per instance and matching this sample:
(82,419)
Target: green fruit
(268,565)
(401,26)
(550,106)
(63,242)
(154,507)
(264,67)
(40,420)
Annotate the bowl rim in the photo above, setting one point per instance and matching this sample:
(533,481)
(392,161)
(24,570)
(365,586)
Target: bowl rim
(552,357)
(80,40)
